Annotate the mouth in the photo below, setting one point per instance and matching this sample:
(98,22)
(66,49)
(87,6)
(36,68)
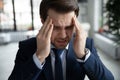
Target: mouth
(62,42)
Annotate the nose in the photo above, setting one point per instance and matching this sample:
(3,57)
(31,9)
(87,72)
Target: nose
(63,33)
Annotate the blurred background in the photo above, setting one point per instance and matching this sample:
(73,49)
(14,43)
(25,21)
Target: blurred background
(20,20)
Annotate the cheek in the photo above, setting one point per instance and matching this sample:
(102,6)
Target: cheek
(70,34)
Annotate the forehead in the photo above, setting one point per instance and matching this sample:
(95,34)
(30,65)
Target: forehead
(61,19)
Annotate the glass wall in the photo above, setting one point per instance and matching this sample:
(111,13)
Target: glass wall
(6,15)
(23,14)
(37,21)
(19,15)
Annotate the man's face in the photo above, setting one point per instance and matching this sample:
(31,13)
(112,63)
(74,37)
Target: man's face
(63,28)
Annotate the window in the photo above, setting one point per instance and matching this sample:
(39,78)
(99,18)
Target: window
(19,15)
(6,15)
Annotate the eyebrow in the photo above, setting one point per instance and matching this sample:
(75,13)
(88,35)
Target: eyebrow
(66,26)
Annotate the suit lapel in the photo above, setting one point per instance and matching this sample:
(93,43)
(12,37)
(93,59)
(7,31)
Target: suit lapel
(72,64)
(48,69)
(70,61)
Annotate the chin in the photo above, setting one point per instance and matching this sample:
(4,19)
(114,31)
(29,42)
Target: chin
(61,47)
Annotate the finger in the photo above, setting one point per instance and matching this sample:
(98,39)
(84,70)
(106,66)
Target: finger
(50,31)
(42,31)
(48,28)
(79,30)
(45,25)
(76,26)
(77,23)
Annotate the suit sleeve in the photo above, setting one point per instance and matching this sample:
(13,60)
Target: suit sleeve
(25,68)
(94,67)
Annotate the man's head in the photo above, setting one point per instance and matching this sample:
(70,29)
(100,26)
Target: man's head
(61,12)
(60,6)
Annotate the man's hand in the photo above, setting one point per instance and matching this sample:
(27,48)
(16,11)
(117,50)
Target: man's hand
(80,39)
(44,40)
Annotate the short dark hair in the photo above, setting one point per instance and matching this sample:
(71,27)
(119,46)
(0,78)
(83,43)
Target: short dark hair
(61,6)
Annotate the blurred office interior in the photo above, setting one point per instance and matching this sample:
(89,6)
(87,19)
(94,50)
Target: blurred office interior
(20,20)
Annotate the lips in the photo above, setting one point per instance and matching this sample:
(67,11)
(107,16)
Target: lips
(61,42)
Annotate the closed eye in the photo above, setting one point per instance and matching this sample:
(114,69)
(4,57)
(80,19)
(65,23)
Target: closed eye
(69,27)
(56,27)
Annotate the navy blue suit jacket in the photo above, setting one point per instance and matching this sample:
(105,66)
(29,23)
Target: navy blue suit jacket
(25,68)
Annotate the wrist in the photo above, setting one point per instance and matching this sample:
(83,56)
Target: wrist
(82,57)
(41,58)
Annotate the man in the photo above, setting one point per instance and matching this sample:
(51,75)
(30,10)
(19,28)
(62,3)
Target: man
(36,57)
